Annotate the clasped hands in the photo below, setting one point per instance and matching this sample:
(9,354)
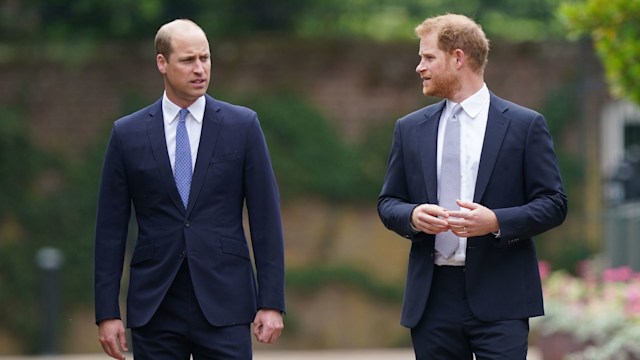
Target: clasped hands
(472,219)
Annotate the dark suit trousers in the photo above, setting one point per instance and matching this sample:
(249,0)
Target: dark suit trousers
(179,329)
(449,330)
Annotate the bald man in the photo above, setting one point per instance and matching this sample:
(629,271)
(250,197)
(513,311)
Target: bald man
(187,164)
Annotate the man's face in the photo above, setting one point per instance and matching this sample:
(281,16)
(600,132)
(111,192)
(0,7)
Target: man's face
(187,71)
(436,69)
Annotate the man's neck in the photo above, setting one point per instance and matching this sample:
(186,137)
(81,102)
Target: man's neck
(469,85)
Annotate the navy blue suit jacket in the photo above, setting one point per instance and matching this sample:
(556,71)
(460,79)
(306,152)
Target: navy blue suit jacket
(518,178)
(232,167)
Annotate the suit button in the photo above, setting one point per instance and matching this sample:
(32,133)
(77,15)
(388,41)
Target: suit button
(182,254)
(187,225)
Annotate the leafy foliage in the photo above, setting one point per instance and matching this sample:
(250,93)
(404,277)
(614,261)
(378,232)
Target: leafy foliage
(136,19)
(311,279)
(19,166)
(614,26)
(559,107)
(599,310)
(517,20)
(45,202)
(51,202)
(309,156)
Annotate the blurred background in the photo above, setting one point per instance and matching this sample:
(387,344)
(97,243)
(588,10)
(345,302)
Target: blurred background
(328,79)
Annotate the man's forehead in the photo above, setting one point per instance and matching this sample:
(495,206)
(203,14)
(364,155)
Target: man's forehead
(190,40)
(428,45)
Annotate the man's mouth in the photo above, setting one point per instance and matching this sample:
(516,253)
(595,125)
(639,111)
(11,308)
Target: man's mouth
(199,83)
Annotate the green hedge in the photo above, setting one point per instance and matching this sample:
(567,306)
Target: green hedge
(49,200)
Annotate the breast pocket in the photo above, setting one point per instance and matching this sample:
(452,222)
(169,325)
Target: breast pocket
(224,174)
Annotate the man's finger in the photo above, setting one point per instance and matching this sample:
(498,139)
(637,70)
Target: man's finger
(467,204)
(269,336)
(257,330)
(112,350)
(123,342)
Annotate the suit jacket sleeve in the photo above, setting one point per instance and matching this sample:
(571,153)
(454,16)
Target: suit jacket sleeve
(263,207)
(114,210)
(545,205)
(394,207)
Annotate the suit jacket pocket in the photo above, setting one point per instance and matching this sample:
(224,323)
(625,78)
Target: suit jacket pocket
(225,157)
(235,247)
(143,253)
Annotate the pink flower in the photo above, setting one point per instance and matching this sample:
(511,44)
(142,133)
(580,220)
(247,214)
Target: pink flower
(620,274)
(632,299)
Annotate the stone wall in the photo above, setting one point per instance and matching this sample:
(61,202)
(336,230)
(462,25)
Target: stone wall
(356,84)
(70,105)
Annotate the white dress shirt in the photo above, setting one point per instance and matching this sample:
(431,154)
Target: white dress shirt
(193,123)
(473,123)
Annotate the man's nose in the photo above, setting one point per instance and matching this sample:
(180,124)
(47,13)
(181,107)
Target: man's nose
(199,66)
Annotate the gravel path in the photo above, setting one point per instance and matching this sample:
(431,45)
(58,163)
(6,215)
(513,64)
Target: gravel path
(365,354)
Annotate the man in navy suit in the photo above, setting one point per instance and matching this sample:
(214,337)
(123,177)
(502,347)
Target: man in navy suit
(192,289)
(474,293)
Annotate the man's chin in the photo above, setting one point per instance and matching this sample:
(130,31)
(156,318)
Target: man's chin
(428,92)
(198,93)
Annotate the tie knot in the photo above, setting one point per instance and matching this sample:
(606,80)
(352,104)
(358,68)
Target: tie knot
(183,114)
(455,112)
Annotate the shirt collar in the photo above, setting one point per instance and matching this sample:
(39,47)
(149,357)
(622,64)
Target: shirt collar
(170,110)
(473,104)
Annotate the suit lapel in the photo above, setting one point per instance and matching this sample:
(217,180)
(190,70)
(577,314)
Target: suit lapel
(497,124)
(210,129)
(429,152)
(155,130)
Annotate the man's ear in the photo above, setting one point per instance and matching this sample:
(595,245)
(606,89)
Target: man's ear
(460,57)
(161,62)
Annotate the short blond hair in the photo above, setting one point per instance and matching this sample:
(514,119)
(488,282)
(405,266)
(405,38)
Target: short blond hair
(455,31)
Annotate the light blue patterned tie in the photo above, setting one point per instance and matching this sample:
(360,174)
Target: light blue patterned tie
(447,242)
(182,166)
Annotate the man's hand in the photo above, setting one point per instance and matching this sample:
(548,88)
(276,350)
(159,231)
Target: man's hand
(477,221)
(112,338)
(430,219)
(268,325)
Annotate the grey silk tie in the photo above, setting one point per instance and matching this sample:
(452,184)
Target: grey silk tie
(447,242)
